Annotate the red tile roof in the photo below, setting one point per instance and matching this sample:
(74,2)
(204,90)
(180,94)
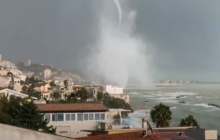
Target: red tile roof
(74,107)
(1,88)
(121,136)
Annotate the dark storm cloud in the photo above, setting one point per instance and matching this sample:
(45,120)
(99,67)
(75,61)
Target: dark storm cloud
(185,33)
(52,31)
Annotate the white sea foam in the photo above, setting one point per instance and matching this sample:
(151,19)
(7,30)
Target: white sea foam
(133,92)
(173,107)
(204,105)
(198,97)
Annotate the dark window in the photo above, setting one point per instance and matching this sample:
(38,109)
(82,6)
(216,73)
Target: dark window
(73,117)
(60,117)
(91,117)
(86,117)
(54,117)
(67,117)
(102,116)
(97,116)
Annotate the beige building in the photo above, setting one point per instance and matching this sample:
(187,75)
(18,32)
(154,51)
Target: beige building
(0,57)
(3,72)
(46,95)
(93,90)
(47,73)
(42,87)
(4,81)
(27,63)
(71,119)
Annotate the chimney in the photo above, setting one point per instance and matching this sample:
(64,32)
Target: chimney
(145,127)
(211,135)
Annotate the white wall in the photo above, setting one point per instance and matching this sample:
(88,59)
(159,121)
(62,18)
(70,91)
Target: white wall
(114,90)
(15,133)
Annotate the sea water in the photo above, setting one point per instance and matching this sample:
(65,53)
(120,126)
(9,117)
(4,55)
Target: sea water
(196,96)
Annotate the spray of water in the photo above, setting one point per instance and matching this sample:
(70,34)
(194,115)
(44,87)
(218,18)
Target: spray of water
(120,56)
(117,3)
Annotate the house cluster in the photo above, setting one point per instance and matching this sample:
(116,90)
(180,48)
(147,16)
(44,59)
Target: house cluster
(46,88)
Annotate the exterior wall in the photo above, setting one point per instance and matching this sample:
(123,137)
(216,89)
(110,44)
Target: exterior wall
(114,90)
(4,82)
(73,129)
(125,97)
(43,88)
(17,80)
(3,72)
(23,77)
(11,132)
(46,95)
(18,88)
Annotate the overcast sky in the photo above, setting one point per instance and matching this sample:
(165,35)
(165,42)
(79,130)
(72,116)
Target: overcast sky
(185,34)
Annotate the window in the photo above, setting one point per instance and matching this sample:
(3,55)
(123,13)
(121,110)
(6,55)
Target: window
(97,116)
(73,117)
(47,116)
(54,118)
(79,117)
(86,117)
(60,117)
(102,116)
(67,117)
(91,117)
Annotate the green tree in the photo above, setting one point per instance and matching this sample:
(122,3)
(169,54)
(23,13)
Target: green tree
(161,115)
(111,102)
(56,95)
(100,96)
(52,84)
(189,121)
(82,94)
(31,92)
(24,89)
(19,112)
(72,97)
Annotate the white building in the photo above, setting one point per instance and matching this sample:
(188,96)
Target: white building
(113,89)
(9,92)
(28,62)
(47,73)
(71,119)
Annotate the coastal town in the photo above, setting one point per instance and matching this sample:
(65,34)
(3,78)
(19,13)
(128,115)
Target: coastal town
(83,110)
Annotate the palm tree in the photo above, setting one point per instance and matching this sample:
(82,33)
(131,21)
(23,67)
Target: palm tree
(11,84)
(65,82)
(189,121)
(161,115)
